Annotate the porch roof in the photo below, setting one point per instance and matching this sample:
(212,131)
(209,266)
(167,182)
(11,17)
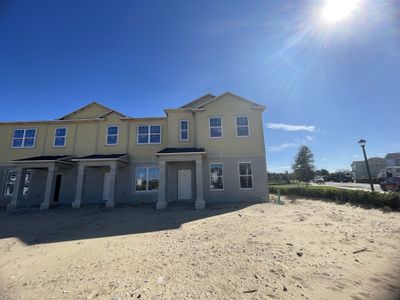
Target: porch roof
(44,158)
(188,150)
(94,157)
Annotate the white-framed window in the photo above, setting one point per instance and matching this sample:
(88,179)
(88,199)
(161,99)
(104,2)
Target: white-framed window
(60,137)
(9,185)
(147,178)
(112,135)
(148,134)
(23,138)
(184,130)
(216,177)
(242,126)
(215,124)
(245,175)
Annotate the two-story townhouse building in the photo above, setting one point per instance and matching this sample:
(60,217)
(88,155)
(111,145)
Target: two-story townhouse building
(208,151)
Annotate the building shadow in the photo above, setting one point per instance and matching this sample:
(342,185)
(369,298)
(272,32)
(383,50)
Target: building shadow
(65,224)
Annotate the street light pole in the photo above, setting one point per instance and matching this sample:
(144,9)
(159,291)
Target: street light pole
(362,144)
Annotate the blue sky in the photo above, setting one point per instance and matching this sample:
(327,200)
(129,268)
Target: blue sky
(325,85)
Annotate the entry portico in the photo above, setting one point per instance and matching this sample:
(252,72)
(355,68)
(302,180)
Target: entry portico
(110,163)
(176,167)
(53,164)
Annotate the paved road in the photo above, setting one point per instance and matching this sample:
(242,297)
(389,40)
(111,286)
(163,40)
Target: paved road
(353,186)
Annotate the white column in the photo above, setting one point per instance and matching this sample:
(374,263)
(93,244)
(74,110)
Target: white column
(162,203)
(18,187)
(79,187)
(50,186)
(200,203)
(111,197)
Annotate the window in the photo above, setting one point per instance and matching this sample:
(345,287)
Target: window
(60,136)
(216,177)
(184,130)
(149,134)
(147,179)
(242,126)
(24,138)
(245,176)
(10,183)
(215,127)
(112,135)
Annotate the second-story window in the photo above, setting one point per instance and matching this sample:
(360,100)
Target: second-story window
(215,127)
(242,126)
(60,136)
(112,135)
(184,130)
(24,138)
(149,134)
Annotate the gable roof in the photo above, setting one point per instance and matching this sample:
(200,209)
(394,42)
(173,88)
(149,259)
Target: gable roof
(199,101)
(208,98)
(103,111)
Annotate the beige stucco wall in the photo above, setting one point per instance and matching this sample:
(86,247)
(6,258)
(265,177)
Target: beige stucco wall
(228,108)
(89,137)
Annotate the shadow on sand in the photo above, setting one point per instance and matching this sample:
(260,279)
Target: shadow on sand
(66,224)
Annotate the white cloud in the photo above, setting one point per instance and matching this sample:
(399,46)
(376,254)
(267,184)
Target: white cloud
(288,127)
(278,168)
(281,147)
(323,159)
(310,138)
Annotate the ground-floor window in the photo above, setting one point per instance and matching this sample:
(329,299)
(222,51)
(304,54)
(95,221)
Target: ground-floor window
(147,178)
(10,183)
(216,176)
(245,175)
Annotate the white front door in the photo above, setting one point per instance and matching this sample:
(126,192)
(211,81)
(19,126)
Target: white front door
(184,184)
(106,186)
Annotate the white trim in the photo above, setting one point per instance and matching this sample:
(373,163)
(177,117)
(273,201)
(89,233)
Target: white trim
(180,131)
(209,176)
(65,137)
(222,128)
(122,158)
(147,179)
(248,126)
(23,138)
(252,176)
(148,135)
(108,126)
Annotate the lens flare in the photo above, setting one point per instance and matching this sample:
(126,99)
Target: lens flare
(337,10)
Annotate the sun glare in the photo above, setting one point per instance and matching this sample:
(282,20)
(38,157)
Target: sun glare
(337,10)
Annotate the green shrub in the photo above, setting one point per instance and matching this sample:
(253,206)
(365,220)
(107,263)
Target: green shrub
(372,199)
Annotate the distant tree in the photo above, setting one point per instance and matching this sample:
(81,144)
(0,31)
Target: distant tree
(303,165)
(322,172)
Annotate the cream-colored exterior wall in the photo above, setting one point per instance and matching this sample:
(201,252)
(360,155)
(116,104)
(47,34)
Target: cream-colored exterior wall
(174,118)
(86,137)
(89,112)
(228,107)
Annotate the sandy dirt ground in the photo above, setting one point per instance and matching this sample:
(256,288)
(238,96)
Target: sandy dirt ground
(300,250)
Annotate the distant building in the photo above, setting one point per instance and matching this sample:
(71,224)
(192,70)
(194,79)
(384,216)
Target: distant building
(376,164)
(393,159)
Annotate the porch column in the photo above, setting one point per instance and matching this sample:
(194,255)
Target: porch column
(200,203)
(111,196)
(18,187)
(50,186)
(162,203)
(79,187)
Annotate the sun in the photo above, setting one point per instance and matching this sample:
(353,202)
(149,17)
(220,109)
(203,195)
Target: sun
(338,10)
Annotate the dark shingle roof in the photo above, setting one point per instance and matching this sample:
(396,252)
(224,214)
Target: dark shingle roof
(44,158)
(181,150)
(103,156)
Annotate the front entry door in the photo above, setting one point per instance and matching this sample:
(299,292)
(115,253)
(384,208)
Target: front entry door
(106,186)
(184,184)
